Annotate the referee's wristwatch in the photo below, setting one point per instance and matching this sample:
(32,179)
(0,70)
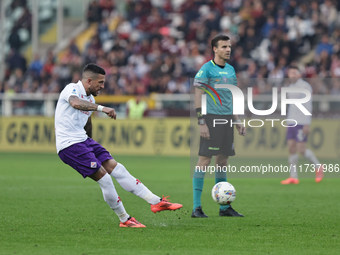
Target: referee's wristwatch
(201,121)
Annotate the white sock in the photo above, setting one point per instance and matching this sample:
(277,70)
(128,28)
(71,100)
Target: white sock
(311,157)
(293,160)
(111,197)
(133,185)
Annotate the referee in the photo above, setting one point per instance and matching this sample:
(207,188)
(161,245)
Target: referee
(215,141)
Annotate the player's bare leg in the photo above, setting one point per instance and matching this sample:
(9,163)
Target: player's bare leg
(293,160)
(308,154)
(111,197)
(222,161)
(135,186)
(198,182)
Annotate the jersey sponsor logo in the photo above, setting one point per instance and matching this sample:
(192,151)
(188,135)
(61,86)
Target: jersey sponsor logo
(119,200)
(82,96)
(138,181)
(239,102)
(86,112)
(93,164)
(74,92)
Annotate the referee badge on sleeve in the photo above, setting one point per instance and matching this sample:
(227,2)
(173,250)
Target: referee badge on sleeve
(199,74)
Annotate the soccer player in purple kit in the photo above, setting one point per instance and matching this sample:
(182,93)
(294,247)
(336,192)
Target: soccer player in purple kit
(75,147)
(297,136)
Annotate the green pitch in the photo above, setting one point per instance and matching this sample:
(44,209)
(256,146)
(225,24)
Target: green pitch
(47,208)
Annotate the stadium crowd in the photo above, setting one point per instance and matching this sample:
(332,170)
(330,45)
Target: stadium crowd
(159,44)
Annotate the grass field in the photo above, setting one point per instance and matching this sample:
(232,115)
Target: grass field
(47,208)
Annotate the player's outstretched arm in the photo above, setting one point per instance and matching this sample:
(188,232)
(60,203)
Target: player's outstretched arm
(83,105)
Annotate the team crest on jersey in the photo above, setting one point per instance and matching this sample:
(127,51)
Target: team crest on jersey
(93,164)
(74,91)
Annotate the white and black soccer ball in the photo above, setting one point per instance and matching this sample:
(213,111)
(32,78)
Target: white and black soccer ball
(223,193)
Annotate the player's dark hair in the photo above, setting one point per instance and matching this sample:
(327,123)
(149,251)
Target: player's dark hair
(217,38)
(294,67)
(96,69)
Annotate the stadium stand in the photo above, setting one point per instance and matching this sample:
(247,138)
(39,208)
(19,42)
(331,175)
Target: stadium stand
(157,45)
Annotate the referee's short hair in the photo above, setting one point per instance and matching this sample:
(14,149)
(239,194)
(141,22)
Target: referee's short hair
(217,38)
(93,68)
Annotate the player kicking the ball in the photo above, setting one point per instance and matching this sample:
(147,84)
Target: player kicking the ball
(216,140)
(76,148)
(297,136)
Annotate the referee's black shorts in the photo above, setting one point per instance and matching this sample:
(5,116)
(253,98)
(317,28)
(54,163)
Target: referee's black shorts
(221,137)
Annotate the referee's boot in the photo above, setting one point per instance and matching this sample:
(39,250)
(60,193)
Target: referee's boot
(230,212)
(198,213)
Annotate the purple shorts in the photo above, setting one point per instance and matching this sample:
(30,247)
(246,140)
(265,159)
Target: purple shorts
(296,134)
(85,157)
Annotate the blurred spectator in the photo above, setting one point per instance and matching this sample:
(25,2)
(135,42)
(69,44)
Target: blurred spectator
(14,39)
(15,60)
(63,73)
(328,15)
(292,8)
(36,65)
(268,27)
(324,45)
(103,30)
(93,12)
(16,79)
(25,21)
(136,107)
(158,45)
(48,65)
(106,5)
(73,48)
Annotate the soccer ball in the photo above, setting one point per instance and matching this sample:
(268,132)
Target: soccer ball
(223,193)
